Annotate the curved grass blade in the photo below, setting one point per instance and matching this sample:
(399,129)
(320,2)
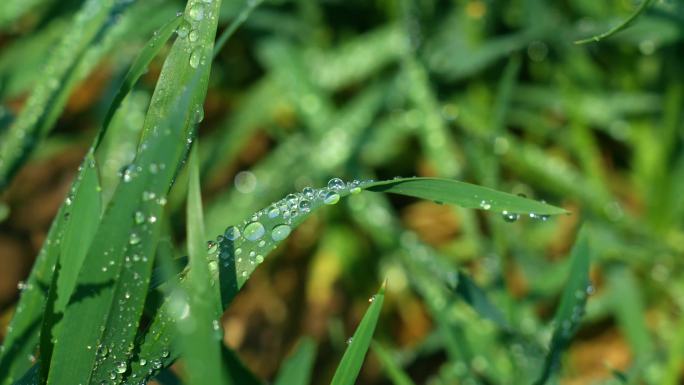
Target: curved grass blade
(463,194)
(296,370)
(138,68)
(396,374)
(52,88)
(243,247)
(201,344)
(596,38)
(113,291)
(353,358)
(571,308)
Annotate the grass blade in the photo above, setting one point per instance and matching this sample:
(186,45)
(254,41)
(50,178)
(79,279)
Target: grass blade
(353,358)
(197,336)
(296,370)
(394,371)
(138,68)
(235,24)
(103,345)
(571,308)
(464,195)
(52,88)
(596,38)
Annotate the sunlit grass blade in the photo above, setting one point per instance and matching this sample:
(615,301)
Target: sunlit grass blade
(596,38)
(112,291)
(353,358)
(52,87)
(197,335)
(571,309)
(296,370)
(396,374)
(464,195)
(138,68)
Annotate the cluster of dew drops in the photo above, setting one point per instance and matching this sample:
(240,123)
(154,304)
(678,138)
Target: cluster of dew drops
(283,213)
(189,28)
(511,217)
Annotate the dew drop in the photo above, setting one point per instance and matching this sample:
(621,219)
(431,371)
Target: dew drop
(193,36)
(309,192)
(196,12)
(212,247)
(232,233)
(590,289)
(183,29)
(195,58)
(273,212)
(280,232)
(259,258)
(139,217)
(350,340)
(355,187)
(143,362)
(134,239)
(509,217)
(336,184)
(484,205)
(331,197)
(305,206)
(371,299)
(254,231)
(121,367)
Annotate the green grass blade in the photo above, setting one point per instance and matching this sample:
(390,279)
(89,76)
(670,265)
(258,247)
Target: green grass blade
(596,38)
(396,374)
(464,195)
(353,358)
(138,68)
(237,370)
(296,370)
(478,300)
(49,95)
(197,336)
(571,308)
(127,239)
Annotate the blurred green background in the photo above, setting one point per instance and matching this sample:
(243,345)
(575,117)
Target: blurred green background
(489,92)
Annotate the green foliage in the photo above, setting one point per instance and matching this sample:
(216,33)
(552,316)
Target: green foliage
(487,103)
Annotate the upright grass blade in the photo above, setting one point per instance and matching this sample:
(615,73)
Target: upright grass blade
(138,68)
(571,308)
(235,24)
(115,278)
(596,38)
(197,337)
(396,374)
(464,195)
(52,88)
(353,358)
(296,370)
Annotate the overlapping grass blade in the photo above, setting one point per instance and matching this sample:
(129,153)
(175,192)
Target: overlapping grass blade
(596,38)
(197,335)
(464,195)
(571,308)
(114,280)
(52,88)
(296,370)
(139,67)
(353,358)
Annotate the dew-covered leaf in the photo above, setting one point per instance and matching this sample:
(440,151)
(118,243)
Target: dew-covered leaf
(464,194)
(353,358)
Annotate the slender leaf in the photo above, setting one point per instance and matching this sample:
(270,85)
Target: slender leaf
(464,195)
(571,308)
(396,374)
(296,370)
(353,358)
(596,38)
